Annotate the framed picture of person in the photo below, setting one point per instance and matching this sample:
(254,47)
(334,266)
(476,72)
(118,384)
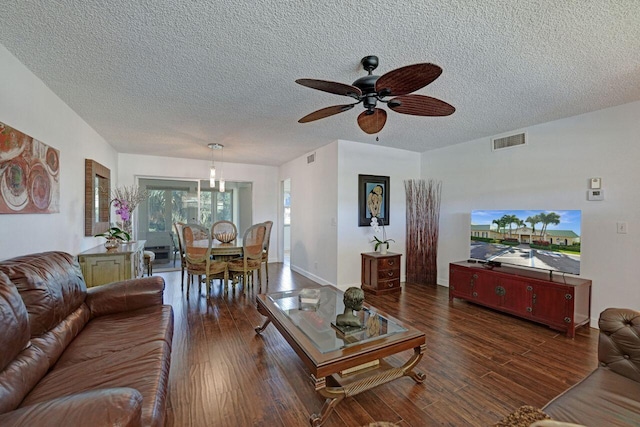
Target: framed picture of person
(373,199)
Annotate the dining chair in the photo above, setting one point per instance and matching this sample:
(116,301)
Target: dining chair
(198,257)
(175,247)
(224,231)
(178,226)
(265,248)
(251,259)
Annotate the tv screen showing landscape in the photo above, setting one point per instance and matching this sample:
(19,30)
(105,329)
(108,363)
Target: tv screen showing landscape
(544,239)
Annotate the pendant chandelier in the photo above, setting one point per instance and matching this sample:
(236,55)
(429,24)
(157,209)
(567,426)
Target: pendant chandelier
(212,171)
(221,182)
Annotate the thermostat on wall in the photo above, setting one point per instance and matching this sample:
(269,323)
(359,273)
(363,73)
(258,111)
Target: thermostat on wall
(595,195)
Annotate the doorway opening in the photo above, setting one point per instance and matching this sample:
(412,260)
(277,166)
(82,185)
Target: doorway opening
(286,220)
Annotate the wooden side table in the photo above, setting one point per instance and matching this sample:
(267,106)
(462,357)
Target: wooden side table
(381,273)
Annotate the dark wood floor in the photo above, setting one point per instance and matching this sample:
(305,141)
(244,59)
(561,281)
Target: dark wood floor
(479,364)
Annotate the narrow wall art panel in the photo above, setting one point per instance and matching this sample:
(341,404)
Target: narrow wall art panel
(29,174)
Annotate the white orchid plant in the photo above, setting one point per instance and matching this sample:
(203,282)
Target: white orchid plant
(378,228)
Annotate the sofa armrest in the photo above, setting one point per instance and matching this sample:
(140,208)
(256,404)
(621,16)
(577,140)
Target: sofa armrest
(619,341)
(126,295)
(105,407)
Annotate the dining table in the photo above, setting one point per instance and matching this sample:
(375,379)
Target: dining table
(219,250)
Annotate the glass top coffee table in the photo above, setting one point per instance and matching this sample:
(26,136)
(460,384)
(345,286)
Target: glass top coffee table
(342,362)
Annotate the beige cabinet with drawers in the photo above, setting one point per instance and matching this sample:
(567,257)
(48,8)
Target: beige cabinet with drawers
(101,265)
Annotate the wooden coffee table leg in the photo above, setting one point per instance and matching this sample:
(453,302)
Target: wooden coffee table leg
(259,329)
(329,405)
(264,312)
(333,395)
(411,363)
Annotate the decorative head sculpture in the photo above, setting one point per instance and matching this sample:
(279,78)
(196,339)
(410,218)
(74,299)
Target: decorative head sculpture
(353,299)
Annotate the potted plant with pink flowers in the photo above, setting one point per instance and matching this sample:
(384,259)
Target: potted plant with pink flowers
(126,199)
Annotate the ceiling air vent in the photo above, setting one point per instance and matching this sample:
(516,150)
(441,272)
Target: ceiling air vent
(311,158)
(508,141)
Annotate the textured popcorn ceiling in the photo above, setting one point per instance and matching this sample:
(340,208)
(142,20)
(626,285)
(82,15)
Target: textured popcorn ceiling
(167,77)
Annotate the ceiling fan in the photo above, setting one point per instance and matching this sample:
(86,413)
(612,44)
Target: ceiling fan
(370,89)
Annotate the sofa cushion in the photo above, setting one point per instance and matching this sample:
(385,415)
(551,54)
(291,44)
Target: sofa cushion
(120,407)
(602,398)
(619,346)
(50,284)
(14,320)
(21,364)
(120,332)
(20,376)
(144,368)
(55,341)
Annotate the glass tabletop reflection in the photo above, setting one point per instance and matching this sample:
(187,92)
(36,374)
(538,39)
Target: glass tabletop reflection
(319,324)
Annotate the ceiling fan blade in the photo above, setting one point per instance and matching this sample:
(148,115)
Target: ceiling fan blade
(331,87)
(372,123)
(325,112)
(420,105)
(405,80)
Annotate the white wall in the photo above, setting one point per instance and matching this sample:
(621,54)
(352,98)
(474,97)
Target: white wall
(264,181)
(552,172)
(29,106)
(367,159)
(326,241)
(314,188)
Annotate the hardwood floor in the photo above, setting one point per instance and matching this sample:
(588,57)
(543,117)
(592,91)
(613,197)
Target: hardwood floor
(480,365)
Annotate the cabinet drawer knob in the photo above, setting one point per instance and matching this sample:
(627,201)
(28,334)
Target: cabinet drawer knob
(529,288)
(567,320)
(529,309)
(391,262)
(500,290)
(390,285)
(475,294)
(390,273)
(568,296)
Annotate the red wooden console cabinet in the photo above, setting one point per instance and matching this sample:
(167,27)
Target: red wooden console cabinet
(560,302)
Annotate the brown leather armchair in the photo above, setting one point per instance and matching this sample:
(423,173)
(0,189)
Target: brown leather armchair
(610,395)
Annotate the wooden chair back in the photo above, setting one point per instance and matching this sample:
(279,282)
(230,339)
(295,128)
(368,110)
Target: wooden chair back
(253,241)
(267,235)
(196,255)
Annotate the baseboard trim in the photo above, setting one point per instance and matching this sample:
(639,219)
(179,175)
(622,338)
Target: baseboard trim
(309,275)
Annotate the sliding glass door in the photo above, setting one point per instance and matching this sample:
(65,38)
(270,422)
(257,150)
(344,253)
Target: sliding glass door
(195,201)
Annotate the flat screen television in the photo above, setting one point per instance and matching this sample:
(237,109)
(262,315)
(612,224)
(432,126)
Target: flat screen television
(544,239)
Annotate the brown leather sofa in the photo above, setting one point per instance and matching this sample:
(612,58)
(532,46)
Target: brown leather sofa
(76,357)
(610,395)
